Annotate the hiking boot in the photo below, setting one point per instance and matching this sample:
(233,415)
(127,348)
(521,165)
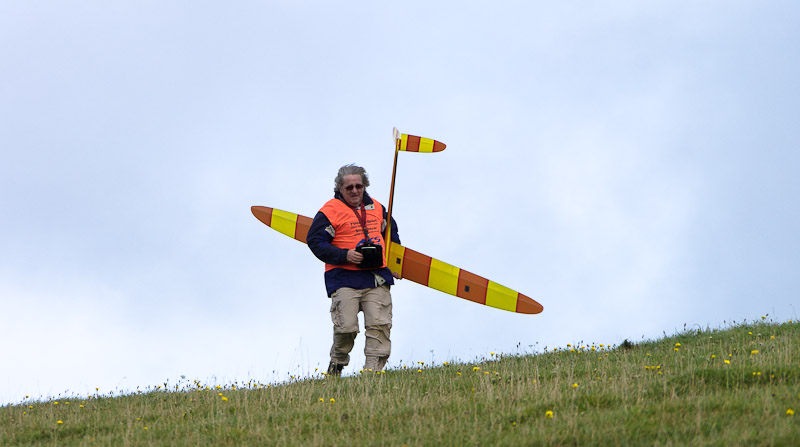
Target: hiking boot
(335,369)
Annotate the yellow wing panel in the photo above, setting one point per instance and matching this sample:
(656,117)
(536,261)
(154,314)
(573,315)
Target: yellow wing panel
(443,277)
(284,222)
(395,261)
(501,297)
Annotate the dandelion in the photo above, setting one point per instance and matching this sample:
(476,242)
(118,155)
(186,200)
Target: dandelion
(574,385)
(458,373)
(677,345)
(321,399)
(713,356)
(790,412)
(676,349)
(548,414)
(224,399)
(727,362)
(59,422)
(772,337)
(754,352)
(332,400)
(145,428)
(475,369)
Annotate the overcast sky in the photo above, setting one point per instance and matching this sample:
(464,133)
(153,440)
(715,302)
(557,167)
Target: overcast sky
(633,166)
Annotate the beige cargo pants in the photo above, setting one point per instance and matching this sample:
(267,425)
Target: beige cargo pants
(376,303)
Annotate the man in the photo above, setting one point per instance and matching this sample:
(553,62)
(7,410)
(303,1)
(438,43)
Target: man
(347,234)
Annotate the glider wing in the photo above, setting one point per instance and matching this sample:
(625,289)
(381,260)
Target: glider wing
(417,267)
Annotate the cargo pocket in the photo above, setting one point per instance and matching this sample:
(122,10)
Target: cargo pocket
(336,315)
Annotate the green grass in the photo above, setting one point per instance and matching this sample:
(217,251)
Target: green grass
(654,393)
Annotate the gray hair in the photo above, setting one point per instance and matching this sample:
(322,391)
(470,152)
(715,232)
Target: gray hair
(350,169)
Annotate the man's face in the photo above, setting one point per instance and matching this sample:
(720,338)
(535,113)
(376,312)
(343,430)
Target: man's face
(352,190)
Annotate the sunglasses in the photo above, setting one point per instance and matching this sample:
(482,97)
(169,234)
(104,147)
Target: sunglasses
(357,186)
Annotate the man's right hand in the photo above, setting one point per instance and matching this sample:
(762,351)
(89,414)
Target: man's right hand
(354,257)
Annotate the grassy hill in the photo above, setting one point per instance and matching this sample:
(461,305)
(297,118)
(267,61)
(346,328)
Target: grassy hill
(737,386)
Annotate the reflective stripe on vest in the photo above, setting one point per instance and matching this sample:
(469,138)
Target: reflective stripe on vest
(347,229)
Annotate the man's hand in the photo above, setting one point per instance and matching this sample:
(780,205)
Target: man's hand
(354,257)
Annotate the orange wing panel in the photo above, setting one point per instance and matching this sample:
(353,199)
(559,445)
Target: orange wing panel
(472,287)
(416,266)
(301,230)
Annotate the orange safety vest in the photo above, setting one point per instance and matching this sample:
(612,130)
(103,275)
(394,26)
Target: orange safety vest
(348,232)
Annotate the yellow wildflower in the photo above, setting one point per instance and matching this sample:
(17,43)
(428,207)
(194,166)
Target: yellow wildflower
(790,412)
(548,414)
(754,352)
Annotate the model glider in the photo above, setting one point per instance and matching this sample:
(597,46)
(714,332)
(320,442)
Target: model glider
(417,267)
